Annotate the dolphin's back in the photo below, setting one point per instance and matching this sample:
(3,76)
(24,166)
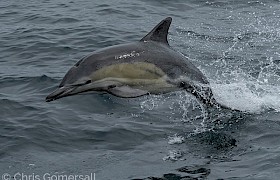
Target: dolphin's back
(153,49)
(161,55)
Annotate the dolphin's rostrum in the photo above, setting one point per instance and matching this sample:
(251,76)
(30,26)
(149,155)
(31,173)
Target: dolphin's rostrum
(149,66)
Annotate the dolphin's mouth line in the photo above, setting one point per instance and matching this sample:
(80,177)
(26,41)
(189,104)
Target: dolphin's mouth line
(61,92)
(65,91)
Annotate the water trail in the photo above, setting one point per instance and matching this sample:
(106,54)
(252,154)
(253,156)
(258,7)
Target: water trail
(250,96)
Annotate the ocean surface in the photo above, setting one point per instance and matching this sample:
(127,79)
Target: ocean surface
(235,43)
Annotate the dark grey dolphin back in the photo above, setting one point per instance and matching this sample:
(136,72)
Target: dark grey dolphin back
(160,32)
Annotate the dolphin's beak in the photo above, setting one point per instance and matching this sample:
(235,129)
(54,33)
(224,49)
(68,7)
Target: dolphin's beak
(78,88)
(73,89)
(61,92)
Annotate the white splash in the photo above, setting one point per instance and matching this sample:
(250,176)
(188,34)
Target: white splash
(173,155)
(248,96)
(176,139)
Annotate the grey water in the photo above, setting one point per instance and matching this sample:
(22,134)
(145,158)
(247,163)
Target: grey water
(236,44)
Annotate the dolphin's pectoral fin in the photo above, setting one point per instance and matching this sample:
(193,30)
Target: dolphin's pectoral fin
(126,92)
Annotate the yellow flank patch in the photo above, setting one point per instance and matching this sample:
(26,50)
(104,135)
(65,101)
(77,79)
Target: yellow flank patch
(140,75)
(138,70)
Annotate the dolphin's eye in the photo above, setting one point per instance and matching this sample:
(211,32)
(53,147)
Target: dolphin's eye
(88,81)
(111,86)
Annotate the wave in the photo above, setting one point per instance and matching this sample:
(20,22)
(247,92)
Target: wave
(242,37)
(11,80)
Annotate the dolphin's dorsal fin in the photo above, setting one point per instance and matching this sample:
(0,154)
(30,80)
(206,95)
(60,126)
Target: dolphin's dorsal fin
(159,33)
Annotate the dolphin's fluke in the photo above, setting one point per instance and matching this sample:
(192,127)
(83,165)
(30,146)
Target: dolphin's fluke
(160,32)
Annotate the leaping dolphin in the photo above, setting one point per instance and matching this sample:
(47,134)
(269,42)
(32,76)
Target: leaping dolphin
(149,66)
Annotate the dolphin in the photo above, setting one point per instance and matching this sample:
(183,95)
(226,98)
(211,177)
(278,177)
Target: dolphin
(149,66)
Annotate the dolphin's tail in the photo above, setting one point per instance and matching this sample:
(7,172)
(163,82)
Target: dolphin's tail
(204,94)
